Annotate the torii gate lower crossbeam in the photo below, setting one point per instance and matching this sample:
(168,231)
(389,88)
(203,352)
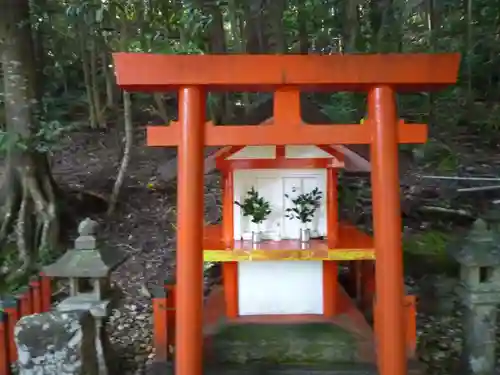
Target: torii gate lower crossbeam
(378,75)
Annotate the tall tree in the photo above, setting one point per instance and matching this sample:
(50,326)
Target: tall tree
(29,210)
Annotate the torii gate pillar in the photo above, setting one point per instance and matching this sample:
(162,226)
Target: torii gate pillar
(387,231)
(190,220)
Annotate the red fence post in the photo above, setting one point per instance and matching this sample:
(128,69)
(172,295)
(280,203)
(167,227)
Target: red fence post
(11,309)
(24,301)
(411,324)
(160,323)
(368,283)
(171,317)
(36,296)
(46,292)
(4,344)
(29,300)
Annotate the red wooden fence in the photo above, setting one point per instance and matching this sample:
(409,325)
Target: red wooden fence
(164,320)
(33,299)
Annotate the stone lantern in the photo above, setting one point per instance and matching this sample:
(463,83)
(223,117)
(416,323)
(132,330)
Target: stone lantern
(88,268)
(479,291)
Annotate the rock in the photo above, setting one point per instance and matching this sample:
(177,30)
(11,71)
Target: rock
(438,295)
(56,343)
(167,171)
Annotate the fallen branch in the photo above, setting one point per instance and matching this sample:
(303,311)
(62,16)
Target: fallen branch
(478,188)
(444,210)
(457,178)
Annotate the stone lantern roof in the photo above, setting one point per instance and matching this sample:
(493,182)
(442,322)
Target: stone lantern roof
(86,259)
(481,247)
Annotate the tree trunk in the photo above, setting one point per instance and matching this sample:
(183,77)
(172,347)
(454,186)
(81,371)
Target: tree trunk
(29,211)
(99,112)
(239,46)
(431,28)
(86,77)
(109,79)
(276,37)
(469,54)
(254,23)
(351,25)
(218,105)
(38,48)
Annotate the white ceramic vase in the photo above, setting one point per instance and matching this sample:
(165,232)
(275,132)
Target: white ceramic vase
(256,234)
(305,234)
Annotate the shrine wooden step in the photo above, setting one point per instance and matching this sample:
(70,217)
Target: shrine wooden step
(260,369)
(292,344)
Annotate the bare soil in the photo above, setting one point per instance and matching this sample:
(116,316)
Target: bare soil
(144,222)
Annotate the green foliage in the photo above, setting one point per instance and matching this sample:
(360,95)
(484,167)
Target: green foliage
(49,129)
(430,243)
(304,206)
(46,139)
(347,196)
(340,108)
(186,27)
(4,141)
(8,257)
(437,155)
(425,253)
(49,134)
(255,206)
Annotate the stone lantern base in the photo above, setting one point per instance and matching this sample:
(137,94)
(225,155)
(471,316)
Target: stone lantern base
(100,312)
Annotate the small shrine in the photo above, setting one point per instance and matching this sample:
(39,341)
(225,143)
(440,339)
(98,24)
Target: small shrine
(281,241)
(88,267)
(280,207)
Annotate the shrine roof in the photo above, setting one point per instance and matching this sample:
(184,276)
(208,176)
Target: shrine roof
(356,157)
(146,72)
(352,161)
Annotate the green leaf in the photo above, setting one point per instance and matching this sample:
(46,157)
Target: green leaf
(255,206)
(305,205)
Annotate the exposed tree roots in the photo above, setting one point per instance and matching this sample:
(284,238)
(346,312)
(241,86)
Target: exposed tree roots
(30,216)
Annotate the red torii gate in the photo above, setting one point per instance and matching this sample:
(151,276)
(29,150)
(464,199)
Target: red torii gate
(381,76)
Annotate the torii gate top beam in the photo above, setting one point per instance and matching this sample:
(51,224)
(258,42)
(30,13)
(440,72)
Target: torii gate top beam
(286,75)
(404,72)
